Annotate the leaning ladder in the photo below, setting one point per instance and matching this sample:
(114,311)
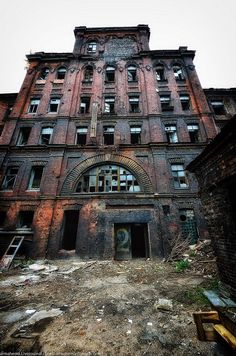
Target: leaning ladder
(11,251)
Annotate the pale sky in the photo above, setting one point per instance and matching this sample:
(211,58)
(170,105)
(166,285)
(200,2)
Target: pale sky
(207,26)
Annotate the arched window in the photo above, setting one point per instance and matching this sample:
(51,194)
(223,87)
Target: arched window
(132,73)
(92,47)
(107,178)
(43,74)
(88,74)
(178,72)
(160,73)
(110,74)
(61,73)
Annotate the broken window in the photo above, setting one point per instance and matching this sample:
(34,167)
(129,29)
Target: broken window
(33,106)
(171,133)
(107,178)
(3,216)
(46,135)
(135,135)
(108,135)
(110,74)
(43,74)
(88,74)
(193,130)
(218,107)
(81,135)
(165,103)
(185,101)
(54,105)
(25,219)
(180,180)
(132,74)
(160,73)
(35,177)
(109,105)
(23,136)
(134,104)
(178,72)
(84,104)
(10,178)
(61,73)
(188,225)
(92,47)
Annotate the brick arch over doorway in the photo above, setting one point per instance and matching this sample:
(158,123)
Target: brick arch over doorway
(141,175)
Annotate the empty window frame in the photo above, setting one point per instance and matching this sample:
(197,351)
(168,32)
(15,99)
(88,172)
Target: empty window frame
(35,177)
(132,73)
(108,135)
(160,73)
(134,104)
(84,104)
(43,74)
(92,47)
(54,105)
(61,73)
(108,179)
(46,135)
(110,74)
(81,135)
(188,225)
(23,136)
(3,216)
(10,178)
(178,72)
(185,101)
(171,133)
(178,173)
(193,130)
(109,105)
(33,106)
(88,74)
(218,107)
(165,103)
(135,135)
(25,219)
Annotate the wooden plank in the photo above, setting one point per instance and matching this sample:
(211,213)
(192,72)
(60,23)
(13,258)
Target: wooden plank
(205,317)
(214,299)
(226,335)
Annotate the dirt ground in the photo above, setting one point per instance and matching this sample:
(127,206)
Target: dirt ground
(98,308)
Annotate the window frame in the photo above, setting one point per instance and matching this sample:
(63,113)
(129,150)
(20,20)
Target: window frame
(110,71)
(51,104)
(88,74)
(185,102)
(162,77)
(178,72)
(135,134)
(83,136)
(33,107)
(108,135)
(43,74)
(21,141)
(12,177)
(132,74)
(178,175)
(171,133)
(61,71)
(32,178)
(84,103)
(134,108)
(109,104)
(92,47)
(44,128)
(195,137)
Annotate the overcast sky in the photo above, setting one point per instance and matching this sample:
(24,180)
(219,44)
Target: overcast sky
(207,26)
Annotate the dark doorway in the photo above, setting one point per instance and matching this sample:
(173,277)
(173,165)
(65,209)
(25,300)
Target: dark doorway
(131,241)
(71,219)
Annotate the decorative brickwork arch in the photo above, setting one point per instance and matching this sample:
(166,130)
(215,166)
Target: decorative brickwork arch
(141,175)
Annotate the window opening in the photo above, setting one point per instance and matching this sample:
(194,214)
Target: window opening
(23,136)
(171,133)
(193,131)
(107,178)
(188,225)
(88,74)
(178,72)
(132,74)
(10,178)
(134,104)
(92,47)
(25,219)
(71,219)
(46,135)
(33,107)
(3,216)
(35,177)
(110,105)
(108,135)
(110,74)
(135,135)
(81,136)
(61,73)
(160,73)
(165,103)
(178,173)
(84,105)
(54,105)
(185,102)
(218,107)
(43,74)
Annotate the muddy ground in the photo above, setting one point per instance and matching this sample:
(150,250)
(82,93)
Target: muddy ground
(137,307)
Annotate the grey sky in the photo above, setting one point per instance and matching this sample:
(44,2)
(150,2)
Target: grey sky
(207,26)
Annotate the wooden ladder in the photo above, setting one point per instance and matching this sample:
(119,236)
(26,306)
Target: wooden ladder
(11,251)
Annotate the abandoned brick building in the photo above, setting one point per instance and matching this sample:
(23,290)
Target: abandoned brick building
(95,145)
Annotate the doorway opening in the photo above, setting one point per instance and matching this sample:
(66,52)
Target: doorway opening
(71,219)
(131,241)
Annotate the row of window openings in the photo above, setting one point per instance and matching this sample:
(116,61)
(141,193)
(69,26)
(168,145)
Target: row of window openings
(24,221)
(109,104)
(135,135)
(178,173)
